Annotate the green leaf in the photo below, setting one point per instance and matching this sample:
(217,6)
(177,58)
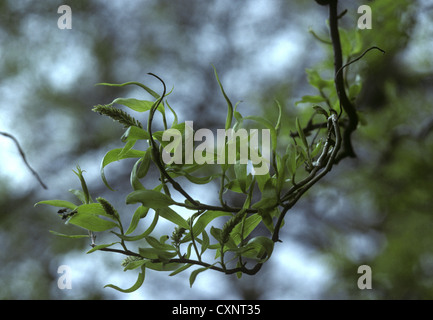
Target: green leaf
(150,91)
(238,117)
(134,133)
(171,215)
(114,155)
(158,245)
(150,199)
(278,124)
(194,275)
(260,248)
(134,180)
(301,133)
(241,175)
(267,218)
(311,99)
(316,80)
(86,193)
(79,194)
(216,233)
(282,171)
(306,148)
(58,203)
(229,104)
(137,284)
(325,41)
(346,46)
(320,110)
(162,266)
(180,269)
(134,104)
(234,186)
(261,180)
(93,209)
(175,121)
(139,213)
(249,225)
(153,253)
(144,165)
(201,223)
(269,126)
(147,232)
(317,148)
(91,222)
(205,242)
(69,236)
(101,246)
(291,160)
(135,264)
(198,180)
(269,196)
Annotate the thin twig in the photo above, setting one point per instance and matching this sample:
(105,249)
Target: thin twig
(24,158)
(359,58)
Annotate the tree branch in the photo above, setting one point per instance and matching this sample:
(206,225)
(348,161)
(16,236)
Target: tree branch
(347,106)
(24,158)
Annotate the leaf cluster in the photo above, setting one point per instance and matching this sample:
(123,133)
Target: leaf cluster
(219,237)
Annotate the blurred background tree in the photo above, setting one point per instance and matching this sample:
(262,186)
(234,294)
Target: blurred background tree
(375,209)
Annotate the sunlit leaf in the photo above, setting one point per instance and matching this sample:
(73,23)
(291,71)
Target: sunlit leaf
(269,126)
(320,110)
(246,228)
(86,193)
(158,245)
(91,222)
(180,269)
(260,248)
(113,155)
(75,236)
(147,232)
(311,99)
(155,254)
(101,246)
(150,91)
(204,219)
(172,216)
(149,198)
(134,104)
(194,275)
(205,242)
(241,175)
(134,133)
(137,284)
(229,104)
(58,203)
(93,209)
(139,213)
(135,264)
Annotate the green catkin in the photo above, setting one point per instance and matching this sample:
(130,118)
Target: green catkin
(108,208)
(117,115)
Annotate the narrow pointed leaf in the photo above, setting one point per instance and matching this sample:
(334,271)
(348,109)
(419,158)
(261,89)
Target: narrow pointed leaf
(137,284)
(58,203)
